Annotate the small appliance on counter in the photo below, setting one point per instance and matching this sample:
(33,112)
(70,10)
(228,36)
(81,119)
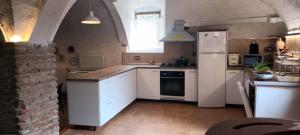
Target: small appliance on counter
(233,59)
(250,59)
(253,47)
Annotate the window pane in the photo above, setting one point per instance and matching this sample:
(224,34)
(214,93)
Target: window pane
(146,31)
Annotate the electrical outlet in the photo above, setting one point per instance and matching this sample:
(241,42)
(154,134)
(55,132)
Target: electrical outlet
(137,58)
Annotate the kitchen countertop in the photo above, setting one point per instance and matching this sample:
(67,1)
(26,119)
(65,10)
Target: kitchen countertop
(272,82)
(236,68)
(108,72)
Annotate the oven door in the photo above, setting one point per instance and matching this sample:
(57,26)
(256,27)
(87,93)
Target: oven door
(172,86)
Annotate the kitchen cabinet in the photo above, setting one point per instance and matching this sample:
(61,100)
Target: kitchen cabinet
(273,99)
(232,91)
(95,103)
(148,84)
(191,90)
(247,84)
(83,103)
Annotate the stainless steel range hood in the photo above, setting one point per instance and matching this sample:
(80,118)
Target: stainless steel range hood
(178,34)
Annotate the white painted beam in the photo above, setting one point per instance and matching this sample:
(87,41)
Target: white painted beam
(120,30)
(49,20)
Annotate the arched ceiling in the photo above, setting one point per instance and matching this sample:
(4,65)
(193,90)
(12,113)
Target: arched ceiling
(19,16)
(288,10)
(193,11)
(196,11)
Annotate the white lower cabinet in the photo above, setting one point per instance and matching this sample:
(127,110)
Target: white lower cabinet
(148,84)
(191,91)
(95,103)
(233,95)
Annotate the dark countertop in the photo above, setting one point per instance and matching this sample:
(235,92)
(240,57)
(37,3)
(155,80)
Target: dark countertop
(108,72)
(236,68)
(272,82)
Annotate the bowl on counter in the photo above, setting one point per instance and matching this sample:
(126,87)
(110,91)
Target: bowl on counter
(264,76)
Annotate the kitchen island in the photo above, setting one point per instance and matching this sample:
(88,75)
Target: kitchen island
(272,98)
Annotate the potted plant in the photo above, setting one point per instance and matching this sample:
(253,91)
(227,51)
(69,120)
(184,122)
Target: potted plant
(262,71)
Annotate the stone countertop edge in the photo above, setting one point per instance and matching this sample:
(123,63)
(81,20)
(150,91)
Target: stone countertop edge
(108,72)
(270,82)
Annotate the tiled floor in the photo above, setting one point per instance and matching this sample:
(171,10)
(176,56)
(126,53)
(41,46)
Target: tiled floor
(162,118)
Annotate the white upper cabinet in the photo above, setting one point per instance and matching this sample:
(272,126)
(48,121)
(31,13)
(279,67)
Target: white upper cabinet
(148,84)
(191,91)
(232,91)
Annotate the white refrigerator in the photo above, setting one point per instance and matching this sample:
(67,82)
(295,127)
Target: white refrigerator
(212,68)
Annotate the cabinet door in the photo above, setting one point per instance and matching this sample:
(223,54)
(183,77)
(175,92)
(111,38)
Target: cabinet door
(108,96)
(83,103)
(191,91)
(148,82)
(132,85)
(232,90)
(246,84)
(127,88)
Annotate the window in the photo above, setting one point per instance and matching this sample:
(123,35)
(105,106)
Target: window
(146,31)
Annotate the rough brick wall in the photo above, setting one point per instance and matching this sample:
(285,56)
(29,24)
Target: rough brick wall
(34,94)
(8,93)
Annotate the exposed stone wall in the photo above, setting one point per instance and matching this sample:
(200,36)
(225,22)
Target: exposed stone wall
(32,94)
(8,93)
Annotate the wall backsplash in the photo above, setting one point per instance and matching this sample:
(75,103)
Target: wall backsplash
(241,46)
(293,43)
(172,51)
(189,51)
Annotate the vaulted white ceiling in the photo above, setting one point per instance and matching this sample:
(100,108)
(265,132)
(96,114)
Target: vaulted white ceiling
(195,11)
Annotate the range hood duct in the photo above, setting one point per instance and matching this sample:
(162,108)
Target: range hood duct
(178,34)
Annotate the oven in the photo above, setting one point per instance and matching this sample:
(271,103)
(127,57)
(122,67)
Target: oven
(172,85)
